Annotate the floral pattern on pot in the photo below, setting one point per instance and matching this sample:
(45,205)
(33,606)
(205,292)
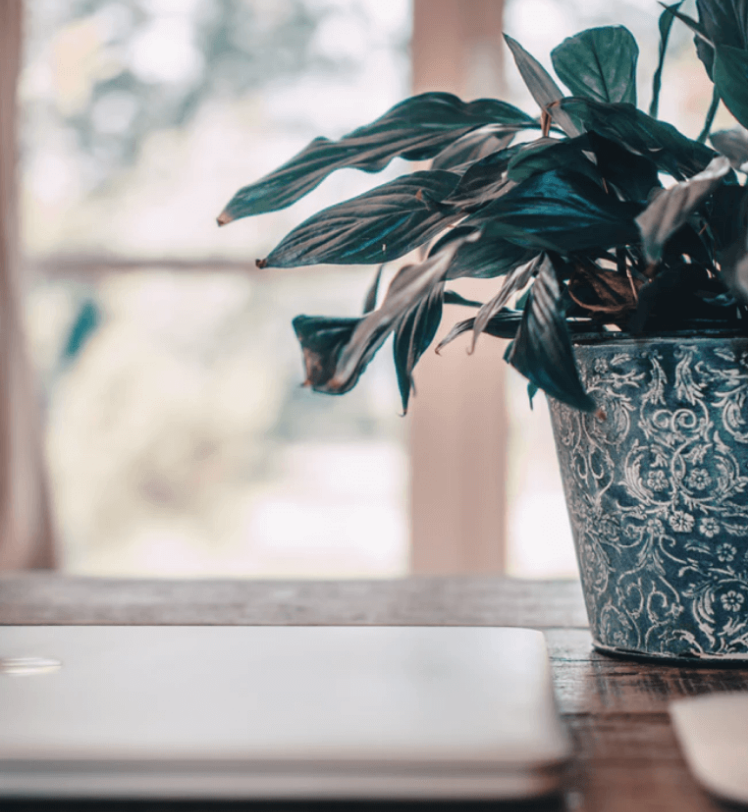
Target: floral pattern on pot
(657,489)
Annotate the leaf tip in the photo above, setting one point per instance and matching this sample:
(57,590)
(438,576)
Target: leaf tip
(224,218)
(261,263)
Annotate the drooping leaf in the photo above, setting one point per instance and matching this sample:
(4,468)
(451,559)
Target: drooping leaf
(560,211)
(542,87)
(515,280)
(472,147)
(378,226)
(343,361)
(731,80)
(734,256)
(546,154)
(370,302)
(733,144)
(502,325)
(671,151)
(415,129)
(483,258)
(322,340)
(665,24)
(672,207)
(599,63)
(413,335)
(542,350)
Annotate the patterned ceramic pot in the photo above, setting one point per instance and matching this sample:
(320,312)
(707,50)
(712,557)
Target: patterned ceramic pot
(657,491)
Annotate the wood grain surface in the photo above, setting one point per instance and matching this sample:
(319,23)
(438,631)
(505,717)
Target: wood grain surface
(627,758)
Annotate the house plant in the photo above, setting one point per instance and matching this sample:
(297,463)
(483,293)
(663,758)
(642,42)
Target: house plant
(622,251)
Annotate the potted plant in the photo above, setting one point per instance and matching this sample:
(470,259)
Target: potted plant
(621,250)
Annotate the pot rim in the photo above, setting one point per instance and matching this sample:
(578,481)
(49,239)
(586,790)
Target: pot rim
(608,336)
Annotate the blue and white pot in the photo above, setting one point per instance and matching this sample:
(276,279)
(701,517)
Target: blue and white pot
(657,490)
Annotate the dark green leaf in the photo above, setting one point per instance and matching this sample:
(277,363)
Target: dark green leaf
(560,211)
(672,207)
(413,335)
(343,357)
(484,180)
(546,154)
(665,24)
(470,148)
(513,283)
(542,86)
(672,152)
(322,340)
(378,226)
(632,175)
(370,302)
(542,349)
(599,63)
(725,218)
(733,144)
(721,22)
(485,258)
(731,80)
(416,129)
(503,325)
(451,297)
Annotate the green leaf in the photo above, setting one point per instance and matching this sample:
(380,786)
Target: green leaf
(541,85)
(413,335)
(721,22)
(483,258)
(709,120)
(545,154)
(560,211)
(484,180)
(370,302)
(416,129)
(470,148)
(665,24)
(731,80)
(672,207)
(502,325)
(599,63)
(451,297)
(513,283)
(322,340)
(542,350)
(671,151)
(337,351)
(634,176)
(378,226)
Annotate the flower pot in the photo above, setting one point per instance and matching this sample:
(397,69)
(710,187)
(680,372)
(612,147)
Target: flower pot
(657,490)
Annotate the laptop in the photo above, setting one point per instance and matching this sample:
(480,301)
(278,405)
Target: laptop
(277,712)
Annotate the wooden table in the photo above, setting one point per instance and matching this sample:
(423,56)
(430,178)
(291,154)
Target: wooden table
(626,759)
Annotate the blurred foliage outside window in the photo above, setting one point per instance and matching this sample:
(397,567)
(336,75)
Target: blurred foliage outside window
(179,438)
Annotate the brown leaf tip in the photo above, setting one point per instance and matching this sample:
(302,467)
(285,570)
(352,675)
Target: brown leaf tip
(261,263)
(224,219)
(419,195)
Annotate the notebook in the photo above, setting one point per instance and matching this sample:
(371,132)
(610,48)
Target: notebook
(713,734)
(277,712)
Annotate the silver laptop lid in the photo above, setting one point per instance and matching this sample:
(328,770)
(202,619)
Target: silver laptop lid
(266,705)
